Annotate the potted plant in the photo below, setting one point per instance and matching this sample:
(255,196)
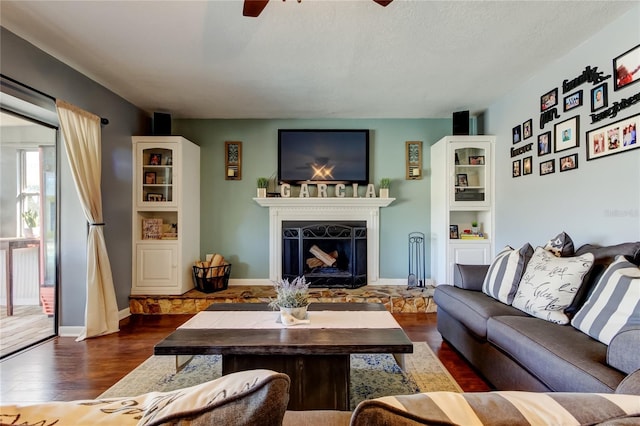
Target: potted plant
(474,227)
(384,187)
(291,297)
(31,221)
(263,182)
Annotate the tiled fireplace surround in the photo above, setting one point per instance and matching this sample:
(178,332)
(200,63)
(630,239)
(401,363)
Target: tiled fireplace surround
(397,298)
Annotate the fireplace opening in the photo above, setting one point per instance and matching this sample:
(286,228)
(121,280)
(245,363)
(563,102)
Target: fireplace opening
(328,254)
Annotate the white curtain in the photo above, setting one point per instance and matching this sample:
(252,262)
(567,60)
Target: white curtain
(81,134)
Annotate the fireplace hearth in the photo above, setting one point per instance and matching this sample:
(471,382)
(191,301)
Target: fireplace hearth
(329,254)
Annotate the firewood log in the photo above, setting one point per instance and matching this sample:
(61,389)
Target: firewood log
(326,259)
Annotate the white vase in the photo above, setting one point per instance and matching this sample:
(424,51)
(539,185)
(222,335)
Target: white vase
(299,313)
(384,192)
(262,192)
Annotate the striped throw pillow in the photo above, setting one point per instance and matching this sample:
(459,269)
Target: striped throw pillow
(503,276)
(614,302)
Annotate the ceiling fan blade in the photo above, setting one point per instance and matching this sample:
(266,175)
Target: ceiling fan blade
(253,8)
(383,3)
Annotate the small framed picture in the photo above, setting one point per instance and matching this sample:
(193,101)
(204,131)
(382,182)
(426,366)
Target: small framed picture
(155,159)
(626,68)
(149,178)
(527,129)
(544,144)
(516,134)
(573,100)
(547,167)
(567,134)
(476,160)
(599,97)
(568,162)
(613,138)
(527,165)
(154,197)
(516,169)
(461,179)
(453,232)
(549,100)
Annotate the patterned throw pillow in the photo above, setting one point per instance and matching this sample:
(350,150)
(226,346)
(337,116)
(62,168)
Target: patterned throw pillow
(503,276)
(550,283)
(561,245)
(614,302)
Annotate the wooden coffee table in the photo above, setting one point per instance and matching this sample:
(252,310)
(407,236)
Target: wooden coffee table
(316,359)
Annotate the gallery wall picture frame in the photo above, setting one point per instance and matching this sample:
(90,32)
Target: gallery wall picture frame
(549,100)
(233,160)
(527,129)
(572,101)
(613,138)
(568,162)
(599,97)
(544,143)
(516,168)
(547,167)
(413,157)
(516,134)
(453,232)
(626,68)
(566,134)
(527,165)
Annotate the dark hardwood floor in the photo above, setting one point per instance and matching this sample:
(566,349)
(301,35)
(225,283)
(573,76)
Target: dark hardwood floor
(63,369)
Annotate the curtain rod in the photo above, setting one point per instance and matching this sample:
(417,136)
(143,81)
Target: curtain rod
(103,121)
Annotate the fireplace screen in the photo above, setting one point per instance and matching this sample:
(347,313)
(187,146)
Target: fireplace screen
(328,254)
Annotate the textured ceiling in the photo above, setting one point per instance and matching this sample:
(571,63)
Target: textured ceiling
(314,59)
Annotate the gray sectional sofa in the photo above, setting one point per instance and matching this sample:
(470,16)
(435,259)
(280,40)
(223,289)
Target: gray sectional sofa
(516,351)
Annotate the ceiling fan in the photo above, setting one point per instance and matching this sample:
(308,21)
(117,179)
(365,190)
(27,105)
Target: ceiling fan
(253,8)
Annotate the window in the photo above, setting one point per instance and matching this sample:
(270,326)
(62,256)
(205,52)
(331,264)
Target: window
(29,192)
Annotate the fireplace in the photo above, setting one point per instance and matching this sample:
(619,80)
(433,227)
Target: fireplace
(328,253)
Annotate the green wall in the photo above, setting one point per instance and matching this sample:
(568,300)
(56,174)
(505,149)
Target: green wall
(235,226)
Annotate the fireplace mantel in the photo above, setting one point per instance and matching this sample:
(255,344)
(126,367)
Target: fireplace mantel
(329,208)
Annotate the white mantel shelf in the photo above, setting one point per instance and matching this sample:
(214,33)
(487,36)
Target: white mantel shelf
(323,202)
(324,208)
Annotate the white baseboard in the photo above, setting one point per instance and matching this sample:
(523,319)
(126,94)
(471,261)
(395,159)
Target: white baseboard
(76,330)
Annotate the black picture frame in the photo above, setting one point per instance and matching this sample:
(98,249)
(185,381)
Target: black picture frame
(599,98)
(549,100)
(544,143)
(527,129)
(626,68)
(613,138)
(566,134)
(516,168)
(453,232)
(516,134)
(149,178)
(527,165)
(547,167)
(574,100)
(568,162)
(476,160)
(155,159)
(462,180)
(154,197)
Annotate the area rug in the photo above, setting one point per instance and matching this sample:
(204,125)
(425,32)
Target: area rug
(372,375)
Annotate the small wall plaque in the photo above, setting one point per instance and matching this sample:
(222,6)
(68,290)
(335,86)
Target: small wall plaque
(414,160)
(233,160)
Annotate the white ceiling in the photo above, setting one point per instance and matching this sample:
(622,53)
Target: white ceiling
(314,59)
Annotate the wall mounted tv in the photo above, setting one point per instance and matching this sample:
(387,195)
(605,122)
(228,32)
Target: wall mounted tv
(329,156)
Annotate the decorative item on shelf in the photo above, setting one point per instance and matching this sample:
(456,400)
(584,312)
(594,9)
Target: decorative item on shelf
(233,160)
(151,229)
(385,183)
(453,232)
(413,160)
(31,221)
(262,182)
(474,228)
(155,159)
(292,299)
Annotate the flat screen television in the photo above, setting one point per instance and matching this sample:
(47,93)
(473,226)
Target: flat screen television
(328,156)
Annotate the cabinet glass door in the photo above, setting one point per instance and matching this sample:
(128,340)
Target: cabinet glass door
(470,180)
(157,179)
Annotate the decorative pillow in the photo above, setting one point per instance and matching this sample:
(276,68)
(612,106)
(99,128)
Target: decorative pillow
(550,283)
(503,276)
(249,398)
(614,302)
(512,408)
(561,245)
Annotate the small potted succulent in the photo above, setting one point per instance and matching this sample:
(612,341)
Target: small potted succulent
(291,297)
(474,227)
(31,221)
(263,182)
(384,187)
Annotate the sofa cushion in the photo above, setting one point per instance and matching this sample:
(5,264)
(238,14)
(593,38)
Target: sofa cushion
(471,308)
(503,276)
(561,245)
(623,350)
(613,304)
(254,397)
(496,408)
(630,385)
(469,277)
(561,357)
(549,284)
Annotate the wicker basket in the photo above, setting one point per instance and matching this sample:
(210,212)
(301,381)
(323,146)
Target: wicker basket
(211,279)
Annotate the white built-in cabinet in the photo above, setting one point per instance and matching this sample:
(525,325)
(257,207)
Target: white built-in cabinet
(462,192)
(166,214)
